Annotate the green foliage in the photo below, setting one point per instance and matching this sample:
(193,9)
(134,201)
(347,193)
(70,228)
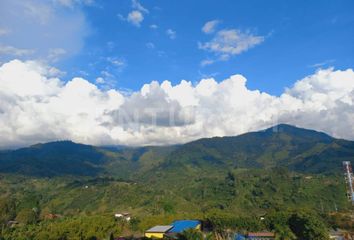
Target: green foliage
(281,146)
(340,220)
(134,224)
(53,159)
(220,220)
(229,181)
(307,226)
(27,216)
(7,210)
(81,228)
(193,234)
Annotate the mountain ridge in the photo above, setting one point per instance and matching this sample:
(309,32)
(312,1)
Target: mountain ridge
(283,145)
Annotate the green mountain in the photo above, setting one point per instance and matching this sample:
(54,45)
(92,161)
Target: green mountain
(53,159)
(232,180)
(280,146)
(285,146)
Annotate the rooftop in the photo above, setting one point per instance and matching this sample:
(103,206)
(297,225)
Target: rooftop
(181,225)
(261,234)
(160,228)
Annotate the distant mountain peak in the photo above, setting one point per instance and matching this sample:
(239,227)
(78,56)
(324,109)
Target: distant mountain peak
(294,130)
(59,143)
(285,127)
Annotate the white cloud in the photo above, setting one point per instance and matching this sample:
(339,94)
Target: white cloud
(100,80)
(136,5)
(72,3)
(209,27)
(35,105)
(206,62)
(154,26)
(135,17)
(117,62)
(55,54)
(150,45)
(322,64)
(121,17)
(229,42)
(13,51)
(171,34)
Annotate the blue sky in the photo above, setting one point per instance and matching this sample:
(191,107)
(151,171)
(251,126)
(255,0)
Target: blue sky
(299,36)
(94,71)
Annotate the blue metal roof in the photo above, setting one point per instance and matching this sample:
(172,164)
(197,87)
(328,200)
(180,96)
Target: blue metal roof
(240,237)
(182,225)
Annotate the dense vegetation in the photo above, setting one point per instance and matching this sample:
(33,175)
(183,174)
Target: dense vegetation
(288,176)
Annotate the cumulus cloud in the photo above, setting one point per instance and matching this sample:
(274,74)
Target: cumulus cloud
(36,106)
(152,106)
(230,42)
(209,27)
(135,18)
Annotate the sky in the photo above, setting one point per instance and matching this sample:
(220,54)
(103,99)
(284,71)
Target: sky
(146,72)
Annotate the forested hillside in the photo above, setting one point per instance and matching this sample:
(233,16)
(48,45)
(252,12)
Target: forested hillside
(283,168)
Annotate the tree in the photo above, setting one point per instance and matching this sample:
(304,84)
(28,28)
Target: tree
(278,222)
(307,226)
(7,210)
(134,224)
(27,216)
(283,232)
(193,234)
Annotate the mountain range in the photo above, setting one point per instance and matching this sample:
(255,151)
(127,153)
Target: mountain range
(280,168)
(293,148)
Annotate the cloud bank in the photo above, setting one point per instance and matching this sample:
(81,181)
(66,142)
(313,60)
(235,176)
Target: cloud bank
(36,106)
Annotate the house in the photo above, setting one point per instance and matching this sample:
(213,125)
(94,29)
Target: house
(183,225)
(260,235)
(157,231)
(126,216)
(174,229)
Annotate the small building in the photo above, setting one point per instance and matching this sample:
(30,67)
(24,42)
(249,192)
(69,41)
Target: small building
(337,235)
(12,224)
(157,231)
(183,225)
(126,216)
(260,235)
